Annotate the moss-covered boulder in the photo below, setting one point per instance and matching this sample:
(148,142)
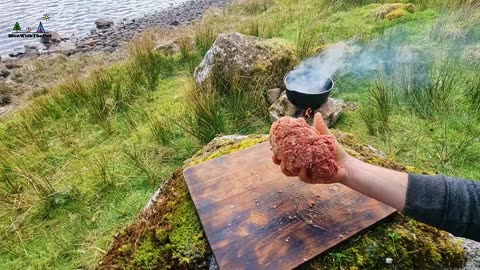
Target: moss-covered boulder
(168,235)
(246,56)
(393,11)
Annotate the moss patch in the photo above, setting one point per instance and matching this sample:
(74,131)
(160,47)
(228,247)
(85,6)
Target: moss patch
(393,11)
(169,235)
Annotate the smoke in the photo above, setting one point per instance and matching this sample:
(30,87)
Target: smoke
(313,73)
(397,47)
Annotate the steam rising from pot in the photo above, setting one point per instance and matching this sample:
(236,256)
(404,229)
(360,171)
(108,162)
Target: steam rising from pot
(314,72)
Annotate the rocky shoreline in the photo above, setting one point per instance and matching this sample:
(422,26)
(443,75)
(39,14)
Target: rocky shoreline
(107,37)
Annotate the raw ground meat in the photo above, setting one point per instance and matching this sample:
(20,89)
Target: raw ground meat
(298,145)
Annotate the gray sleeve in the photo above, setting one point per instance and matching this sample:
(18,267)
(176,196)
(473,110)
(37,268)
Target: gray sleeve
(444,202)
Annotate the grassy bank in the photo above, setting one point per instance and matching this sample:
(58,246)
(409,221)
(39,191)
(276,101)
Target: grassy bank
(81,161)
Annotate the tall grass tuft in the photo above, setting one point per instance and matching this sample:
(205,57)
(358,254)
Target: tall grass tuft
(379,107)
(39,183)
(150,63)
(228,104)
(252,28)
(433,89)
(305,40)
(204,38)
(161,129)
(140,160)
(206,119)
(253,7)
(473,88)
(189,57)
(99,104)
(103,171)
(450,145)
(8,181)
(33,136)
(73,91)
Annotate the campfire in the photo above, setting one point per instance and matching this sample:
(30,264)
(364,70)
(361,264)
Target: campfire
(306,100)
(305,113)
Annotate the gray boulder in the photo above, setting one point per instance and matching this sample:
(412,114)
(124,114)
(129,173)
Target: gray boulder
(54,38)
(66,48)
(4,72)
(103,23)
(5,99)
(331,110)
(273,95)
(246,56)
(31,50)
(281,107)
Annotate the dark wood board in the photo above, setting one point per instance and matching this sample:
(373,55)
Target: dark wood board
(256,218)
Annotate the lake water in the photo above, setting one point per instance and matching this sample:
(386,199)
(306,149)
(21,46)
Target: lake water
(68,17)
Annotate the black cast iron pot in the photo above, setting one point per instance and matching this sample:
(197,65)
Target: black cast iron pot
(309,100)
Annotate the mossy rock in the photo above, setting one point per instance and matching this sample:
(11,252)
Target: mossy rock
(168,235)
(393,11)
(239,55)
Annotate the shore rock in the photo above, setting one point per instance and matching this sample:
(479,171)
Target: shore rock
(31,50)
(103,23)
(11,64)
(5,99)
(246,56)
(66,48)
(15,54)
(55,37)
(4,72)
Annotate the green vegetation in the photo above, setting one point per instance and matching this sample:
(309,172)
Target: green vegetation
(81,160)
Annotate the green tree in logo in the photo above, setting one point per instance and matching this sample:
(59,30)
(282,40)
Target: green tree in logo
(17,27)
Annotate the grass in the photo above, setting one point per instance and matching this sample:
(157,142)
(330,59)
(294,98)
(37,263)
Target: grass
(204,37)
(82,159)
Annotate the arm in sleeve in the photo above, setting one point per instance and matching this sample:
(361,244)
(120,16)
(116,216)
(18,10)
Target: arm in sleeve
(447,203)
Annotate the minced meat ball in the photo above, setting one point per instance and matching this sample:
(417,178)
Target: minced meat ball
(298,145)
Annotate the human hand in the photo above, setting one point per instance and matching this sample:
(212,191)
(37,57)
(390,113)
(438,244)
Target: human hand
(341,158)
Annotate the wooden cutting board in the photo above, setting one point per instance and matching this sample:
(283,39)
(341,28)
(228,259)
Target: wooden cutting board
(256,218)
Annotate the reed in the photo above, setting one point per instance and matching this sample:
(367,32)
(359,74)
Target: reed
(103,171)
(205,119)
(253,7)
(205,36)
(98,103)
(140,161)
(379,107)
(305,40)
(161,129)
